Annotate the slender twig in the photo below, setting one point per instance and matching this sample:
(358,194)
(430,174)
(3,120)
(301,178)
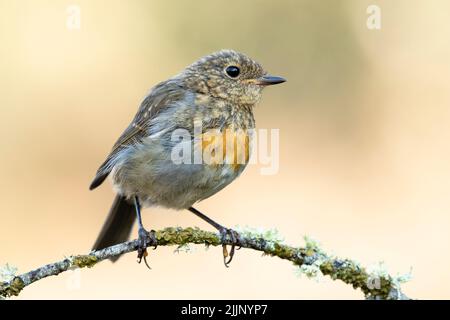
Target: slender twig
(310,259)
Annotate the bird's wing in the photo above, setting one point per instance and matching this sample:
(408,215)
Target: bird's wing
(161,96)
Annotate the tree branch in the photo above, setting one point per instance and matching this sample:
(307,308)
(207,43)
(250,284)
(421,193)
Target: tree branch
(311,260)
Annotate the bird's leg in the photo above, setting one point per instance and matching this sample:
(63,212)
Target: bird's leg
(223,232)
(142,234)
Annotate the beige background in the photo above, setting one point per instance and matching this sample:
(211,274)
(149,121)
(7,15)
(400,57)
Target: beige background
(364,138)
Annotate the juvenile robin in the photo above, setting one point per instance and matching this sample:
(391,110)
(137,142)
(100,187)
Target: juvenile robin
(217,92)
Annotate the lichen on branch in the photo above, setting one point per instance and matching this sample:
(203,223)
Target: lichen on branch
(310,259)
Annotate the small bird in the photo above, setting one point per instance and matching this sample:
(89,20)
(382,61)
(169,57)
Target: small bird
(217,93)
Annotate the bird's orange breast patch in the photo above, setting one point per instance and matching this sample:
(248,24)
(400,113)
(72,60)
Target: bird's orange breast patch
(228,146)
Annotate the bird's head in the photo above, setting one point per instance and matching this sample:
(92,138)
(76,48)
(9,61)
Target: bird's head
(228,75)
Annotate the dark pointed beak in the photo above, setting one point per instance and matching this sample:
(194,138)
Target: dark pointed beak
(269,80)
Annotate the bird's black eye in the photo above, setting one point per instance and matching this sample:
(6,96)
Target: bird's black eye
(232,71)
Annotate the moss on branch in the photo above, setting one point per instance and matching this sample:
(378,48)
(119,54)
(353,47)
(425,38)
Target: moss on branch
(310,259)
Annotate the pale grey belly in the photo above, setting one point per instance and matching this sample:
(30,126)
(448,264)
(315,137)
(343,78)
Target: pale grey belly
(148,172)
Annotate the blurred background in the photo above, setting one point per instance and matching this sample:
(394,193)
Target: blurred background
(364,140)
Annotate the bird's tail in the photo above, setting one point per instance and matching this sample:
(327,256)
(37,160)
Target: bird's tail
(118,225)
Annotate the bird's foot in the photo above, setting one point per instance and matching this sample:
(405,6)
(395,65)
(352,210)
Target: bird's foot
(145,238)
(234,239)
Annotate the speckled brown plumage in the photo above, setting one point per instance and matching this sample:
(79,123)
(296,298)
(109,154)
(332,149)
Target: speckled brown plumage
(219,92)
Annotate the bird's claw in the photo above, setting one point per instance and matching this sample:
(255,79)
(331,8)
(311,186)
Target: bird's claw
(144,236)
(234,237)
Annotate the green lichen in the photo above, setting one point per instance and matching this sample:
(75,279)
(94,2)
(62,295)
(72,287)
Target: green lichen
(271,237)
(311,271)
(7,273)
(285,252)
(311,260)
(10,285)
(180,236)
(326,268)
(312,244)
(373,285)
(12,288)
(83,261)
